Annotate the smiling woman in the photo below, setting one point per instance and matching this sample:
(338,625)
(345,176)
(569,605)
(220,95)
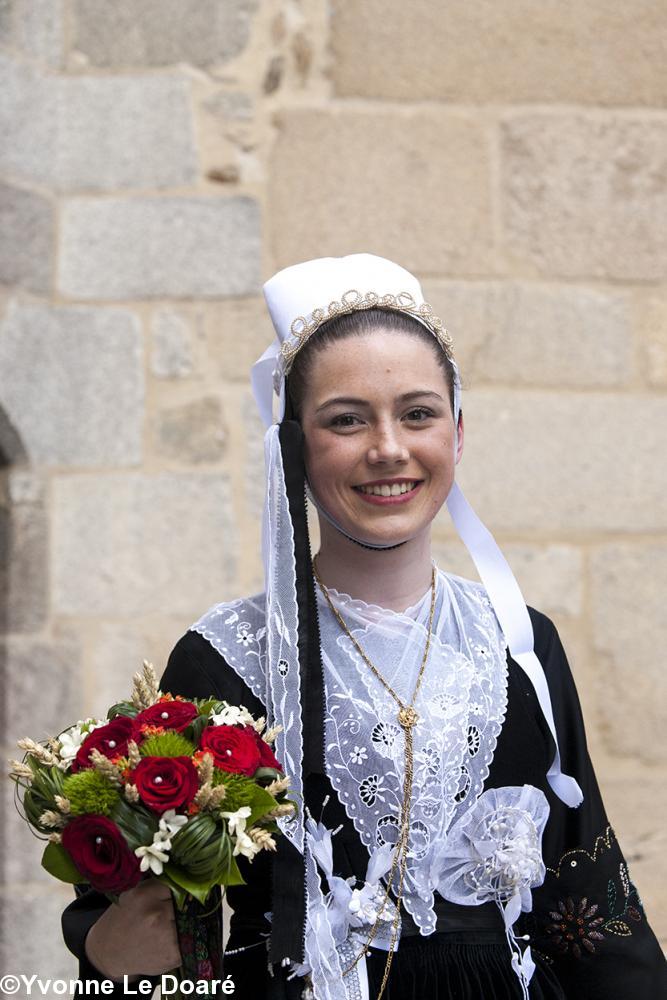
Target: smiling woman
(451,840)
(393,429)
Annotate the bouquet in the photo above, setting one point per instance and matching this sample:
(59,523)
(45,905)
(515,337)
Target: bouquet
(165,787)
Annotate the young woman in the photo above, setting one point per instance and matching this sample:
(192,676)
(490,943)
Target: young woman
(431,724)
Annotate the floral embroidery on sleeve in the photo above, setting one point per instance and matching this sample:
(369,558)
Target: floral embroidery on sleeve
(577,925)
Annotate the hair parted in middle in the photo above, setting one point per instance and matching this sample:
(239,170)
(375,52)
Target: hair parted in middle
(359,324)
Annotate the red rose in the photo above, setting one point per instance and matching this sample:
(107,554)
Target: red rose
(166,782)
(233,748)
(99,851)
(175,715)
(267,758)
(111,740)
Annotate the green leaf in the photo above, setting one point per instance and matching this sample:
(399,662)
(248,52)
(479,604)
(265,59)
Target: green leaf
(123,708)
(46,784)
(232,875)
(202,847)
(205,707)
(618,927)
(199,888)
(32,762)
(57,862)
(265,775)
(261,802)
(196,728)
(611,896)
(135,822)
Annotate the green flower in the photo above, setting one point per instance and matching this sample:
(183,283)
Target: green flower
(239,789)
(167,745)
(90,792)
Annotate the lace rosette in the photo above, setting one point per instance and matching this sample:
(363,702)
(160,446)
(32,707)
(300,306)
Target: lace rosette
(494,853)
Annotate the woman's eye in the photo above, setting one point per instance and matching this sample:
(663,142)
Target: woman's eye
(344,420)
(419,414)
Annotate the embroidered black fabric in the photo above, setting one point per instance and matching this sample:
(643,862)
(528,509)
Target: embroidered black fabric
(622,966)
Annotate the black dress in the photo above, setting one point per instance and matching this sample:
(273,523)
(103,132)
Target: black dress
(588,932)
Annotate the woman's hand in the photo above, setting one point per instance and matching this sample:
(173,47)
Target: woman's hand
(137,935)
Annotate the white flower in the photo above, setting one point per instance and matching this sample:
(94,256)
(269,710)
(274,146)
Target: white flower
(358,755)
(244,845)
(237,821)
(371,788)
(365,904)
(232,715)
(152,857)
(72,739)
(243,634)
(171,823)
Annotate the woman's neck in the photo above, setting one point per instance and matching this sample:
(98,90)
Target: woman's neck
(393,578)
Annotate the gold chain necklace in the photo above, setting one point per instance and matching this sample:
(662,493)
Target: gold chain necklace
(407,718)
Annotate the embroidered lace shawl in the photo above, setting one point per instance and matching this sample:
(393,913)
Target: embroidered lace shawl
(461,705)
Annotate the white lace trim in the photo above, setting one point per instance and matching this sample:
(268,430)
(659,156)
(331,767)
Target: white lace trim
(462,705)
(236,630)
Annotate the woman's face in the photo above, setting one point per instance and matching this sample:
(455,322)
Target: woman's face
(377,419)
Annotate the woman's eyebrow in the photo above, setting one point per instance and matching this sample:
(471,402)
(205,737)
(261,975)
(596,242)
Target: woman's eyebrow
(404,398)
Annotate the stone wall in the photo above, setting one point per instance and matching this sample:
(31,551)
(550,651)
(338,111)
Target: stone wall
(159,160)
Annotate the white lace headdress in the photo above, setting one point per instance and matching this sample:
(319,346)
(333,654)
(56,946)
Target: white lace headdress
(300,299)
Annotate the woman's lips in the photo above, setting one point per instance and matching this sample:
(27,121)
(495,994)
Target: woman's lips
(388,501)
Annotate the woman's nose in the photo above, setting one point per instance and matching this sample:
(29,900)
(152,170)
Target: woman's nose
(387,447)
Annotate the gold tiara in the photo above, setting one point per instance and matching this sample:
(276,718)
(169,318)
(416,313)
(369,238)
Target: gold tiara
(352,301)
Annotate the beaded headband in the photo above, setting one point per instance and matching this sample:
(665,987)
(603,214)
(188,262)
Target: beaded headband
(302,329)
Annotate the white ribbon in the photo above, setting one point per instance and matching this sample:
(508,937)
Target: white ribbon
(261,380)
(352,912)
(510,607)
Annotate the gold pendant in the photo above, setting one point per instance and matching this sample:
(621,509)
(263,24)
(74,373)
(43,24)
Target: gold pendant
(408,717)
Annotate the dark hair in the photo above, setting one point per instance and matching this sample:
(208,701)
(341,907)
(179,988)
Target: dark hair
(356,324)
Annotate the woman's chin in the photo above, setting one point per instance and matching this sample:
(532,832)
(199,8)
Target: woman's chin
(386,534)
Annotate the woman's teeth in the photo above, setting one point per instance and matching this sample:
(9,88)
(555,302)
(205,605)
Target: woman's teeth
(386,490)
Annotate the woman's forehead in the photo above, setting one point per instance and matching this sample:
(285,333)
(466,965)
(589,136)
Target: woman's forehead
(388,347)
(388,366)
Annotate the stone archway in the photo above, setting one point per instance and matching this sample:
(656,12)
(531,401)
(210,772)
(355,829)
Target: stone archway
(36,668)
(23,609)
(12,456)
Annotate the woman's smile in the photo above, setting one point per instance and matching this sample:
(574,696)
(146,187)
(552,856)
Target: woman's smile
(389,491)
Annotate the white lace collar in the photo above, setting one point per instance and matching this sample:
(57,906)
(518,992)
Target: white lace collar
(462,706)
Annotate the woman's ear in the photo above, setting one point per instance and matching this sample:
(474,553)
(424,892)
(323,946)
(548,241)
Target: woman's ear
(459,438)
